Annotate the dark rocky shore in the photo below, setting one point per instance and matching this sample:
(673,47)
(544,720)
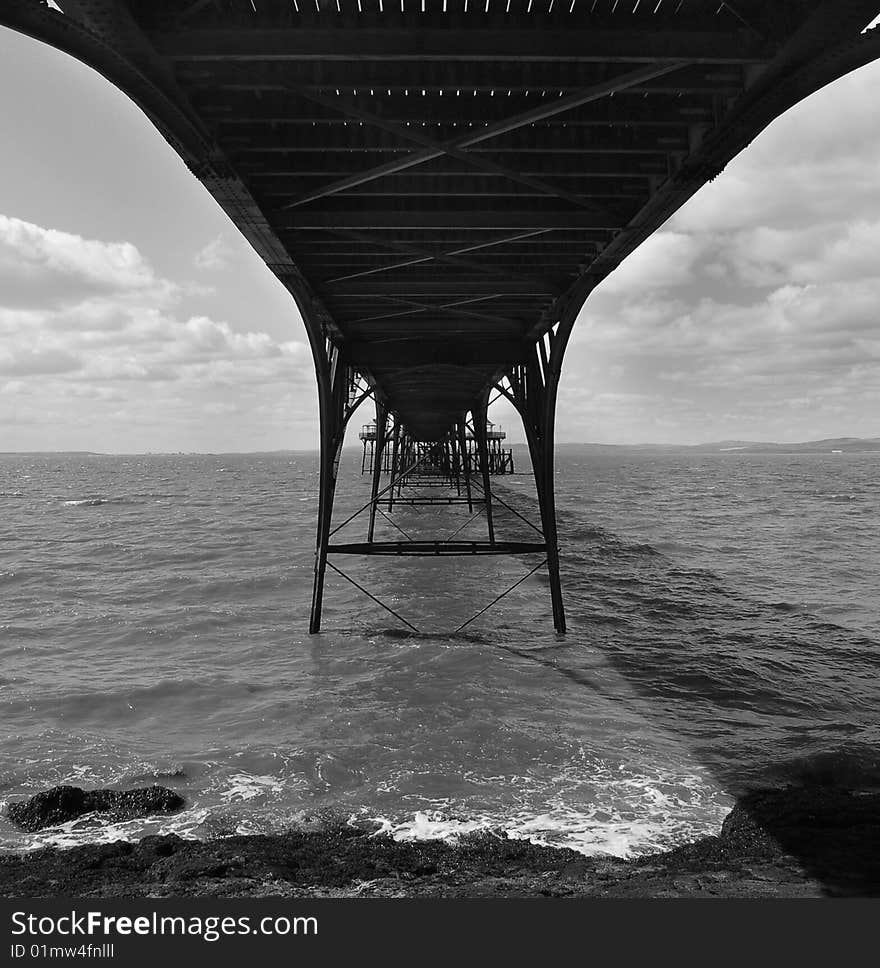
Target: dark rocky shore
(796,842)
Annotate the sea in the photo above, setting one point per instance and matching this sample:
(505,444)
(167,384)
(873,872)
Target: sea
(724,635)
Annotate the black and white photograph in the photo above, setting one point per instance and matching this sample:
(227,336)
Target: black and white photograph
(439,453)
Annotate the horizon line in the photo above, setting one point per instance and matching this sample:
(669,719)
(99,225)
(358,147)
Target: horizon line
(739,442)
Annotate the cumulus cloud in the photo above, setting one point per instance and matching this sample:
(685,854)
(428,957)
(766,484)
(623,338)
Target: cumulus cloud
(90,322)
(40,266)
(758,299)
(116,317)
(214,255)
(752,312)
(663,261)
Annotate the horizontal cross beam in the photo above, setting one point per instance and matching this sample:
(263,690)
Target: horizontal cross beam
(439,548)
(363,44)
(410,352)
(467,219)
(433,309)
(283,108)
(699,80)
(420,255)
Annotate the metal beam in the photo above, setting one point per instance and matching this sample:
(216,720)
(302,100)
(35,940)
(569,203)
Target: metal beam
(412,135)
(438,548)
(411,219)
(409,351)
(378,453)
(192,9)
(279,106)
(546,76)
(548,110)
(315,163)
(376,134)
(603,46)
(441,308)
(422,255)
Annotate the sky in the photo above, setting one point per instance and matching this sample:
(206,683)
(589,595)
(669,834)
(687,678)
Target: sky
(134,317)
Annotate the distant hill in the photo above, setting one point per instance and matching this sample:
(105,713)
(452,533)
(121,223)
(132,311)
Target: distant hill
(829,445)
(846,445)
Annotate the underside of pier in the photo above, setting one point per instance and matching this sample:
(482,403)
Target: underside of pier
(440,184)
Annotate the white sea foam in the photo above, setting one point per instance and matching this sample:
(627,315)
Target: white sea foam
(619,836)
(94,828)
(629,814)
(245,786)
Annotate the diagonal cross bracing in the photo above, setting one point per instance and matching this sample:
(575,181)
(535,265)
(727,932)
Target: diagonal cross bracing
(353,111)
(450,307)
(450,258)
(566,103)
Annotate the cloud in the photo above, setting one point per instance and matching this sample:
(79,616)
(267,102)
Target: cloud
(818,252)
(214,255)
(664,260)
(43,267)
(116,319)
(20,360)
(89,322)
(752,312)
(757,302)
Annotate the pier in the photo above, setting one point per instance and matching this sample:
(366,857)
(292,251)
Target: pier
(441,185)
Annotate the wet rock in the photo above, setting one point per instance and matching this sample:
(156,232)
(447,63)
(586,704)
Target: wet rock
(64,803)
(743,832)
(155,845)
(793,842)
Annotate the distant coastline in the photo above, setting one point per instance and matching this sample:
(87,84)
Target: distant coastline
(828,445)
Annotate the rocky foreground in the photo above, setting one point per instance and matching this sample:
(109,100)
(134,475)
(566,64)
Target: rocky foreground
(796,842)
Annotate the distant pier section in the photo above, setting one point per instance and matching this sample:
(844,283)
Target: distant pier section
(447,455)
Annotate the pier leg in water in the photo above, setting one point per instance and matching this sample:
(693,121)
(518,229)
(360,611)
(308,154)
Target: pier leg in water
(534,386)
(395,447)
(339,394)
(331,401)
(480,415)
(465,465)
(378,455)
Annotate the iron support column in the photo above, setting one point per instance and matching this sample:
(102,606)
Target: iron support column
(332,389)
(534,388)
(379,450)
(480,415)
(395,447)
(539,422)
(465,465)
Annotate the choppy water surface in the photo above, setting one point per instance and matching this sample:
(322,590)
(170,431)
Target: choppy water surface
(724,627)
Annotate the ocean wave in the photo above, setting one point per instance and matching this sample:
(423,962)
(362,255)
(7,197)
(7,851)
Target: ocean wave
(96,828)
(588,832)
(244,786)
(160,773)
(133,638)
(853,767)
(94,502)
